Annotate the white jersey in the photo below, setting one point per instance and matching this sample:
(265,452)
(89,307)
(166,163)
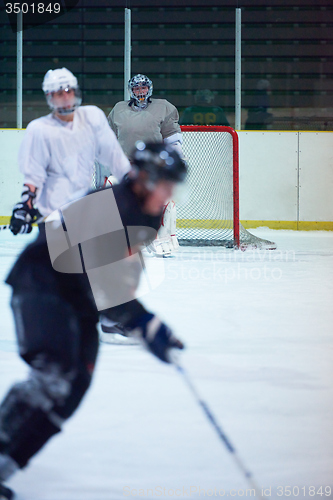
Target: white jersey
(155,123)
(57,157)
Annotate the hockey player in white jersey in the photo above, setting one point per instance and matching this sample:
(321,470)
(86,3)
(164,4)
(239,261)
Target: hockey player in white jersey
(145,119)
(58,151)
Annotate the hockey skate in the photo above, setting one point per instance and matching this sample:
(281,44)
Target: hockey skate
(164,247)
(114,333)
(5,493)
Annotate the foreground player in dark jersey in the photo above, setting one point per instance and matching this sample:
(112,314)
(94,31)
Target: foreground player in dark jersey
(56,312)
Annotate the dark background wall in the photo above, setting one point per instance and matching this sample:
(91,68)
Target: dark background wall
(183,46)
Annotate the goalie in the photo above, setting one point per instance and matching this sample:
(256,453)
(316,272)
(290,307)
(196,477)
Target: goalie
(149,120)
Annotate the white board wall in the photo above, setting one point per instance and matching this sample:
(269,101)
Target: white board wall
(316,176)
(10,176)
(286,177)
(268,175)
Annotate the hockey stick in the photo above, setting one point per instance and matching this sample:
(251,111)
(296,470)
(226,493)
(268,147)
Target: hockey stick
(247,474)
(6,226)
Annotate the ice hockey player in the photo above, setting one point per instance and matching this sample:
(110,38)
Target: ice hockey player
(154,120)
(56,312)
(204,112)
(57,152)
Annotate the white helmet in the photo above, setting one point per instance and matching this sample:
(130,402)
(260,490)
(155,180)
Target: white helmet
(140,81)
(61,79)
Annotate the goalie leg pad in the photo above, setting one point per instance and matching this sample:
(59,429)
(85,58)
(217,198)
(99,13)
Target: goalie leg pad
(166,241)
(169,220)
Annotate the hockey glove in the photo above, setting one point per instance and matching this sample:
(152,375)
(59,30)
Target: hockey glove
(157,336)
(23,216)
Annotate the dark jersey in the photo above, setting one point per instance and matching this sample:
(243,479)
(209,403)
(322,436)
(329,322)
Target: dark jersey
(203,115)
(33,271)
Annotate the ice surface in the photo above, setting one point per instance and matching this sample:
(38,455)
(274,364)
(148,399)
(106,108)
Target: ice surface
(258,330)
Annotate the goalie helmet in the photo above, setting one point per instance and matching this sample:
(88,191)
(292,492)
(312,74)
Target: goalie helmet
(61,79)
(160,161)
(140,81)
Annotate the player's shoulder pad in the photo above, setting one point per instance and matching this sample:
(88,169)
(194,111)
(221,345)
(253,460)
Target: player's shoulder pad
(94,115)
(119,104)
(163,103)
(38,124)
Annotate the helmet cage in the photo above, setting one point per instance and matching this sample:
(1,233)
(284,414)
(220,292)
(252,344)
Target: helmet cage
(61,79)
(140,81)
(65,110)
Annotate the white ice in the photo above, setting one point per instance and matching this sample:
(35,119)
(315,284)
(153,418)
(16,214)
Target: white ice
(258,331)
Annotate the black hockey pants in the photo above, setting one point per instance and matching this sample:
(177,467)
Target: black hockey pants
(61,347)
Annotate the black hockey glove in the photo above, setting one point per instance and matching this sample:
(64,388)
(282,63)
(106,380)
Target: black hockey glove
(157,336)
(24,216)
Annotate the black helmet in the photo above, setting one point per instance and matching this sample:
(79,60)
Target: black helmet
(160,161)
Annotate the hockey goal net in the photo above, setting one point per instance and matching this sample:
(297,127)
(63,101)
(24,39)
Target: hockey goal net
(210,214)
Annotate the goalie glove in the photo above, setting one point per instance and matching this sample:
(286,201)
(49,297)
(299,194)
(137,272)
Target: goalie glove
(157,336)
(23,216)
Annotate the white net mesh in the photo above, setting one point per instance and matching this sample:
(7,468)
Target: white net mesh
(207,216)
(100,175)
